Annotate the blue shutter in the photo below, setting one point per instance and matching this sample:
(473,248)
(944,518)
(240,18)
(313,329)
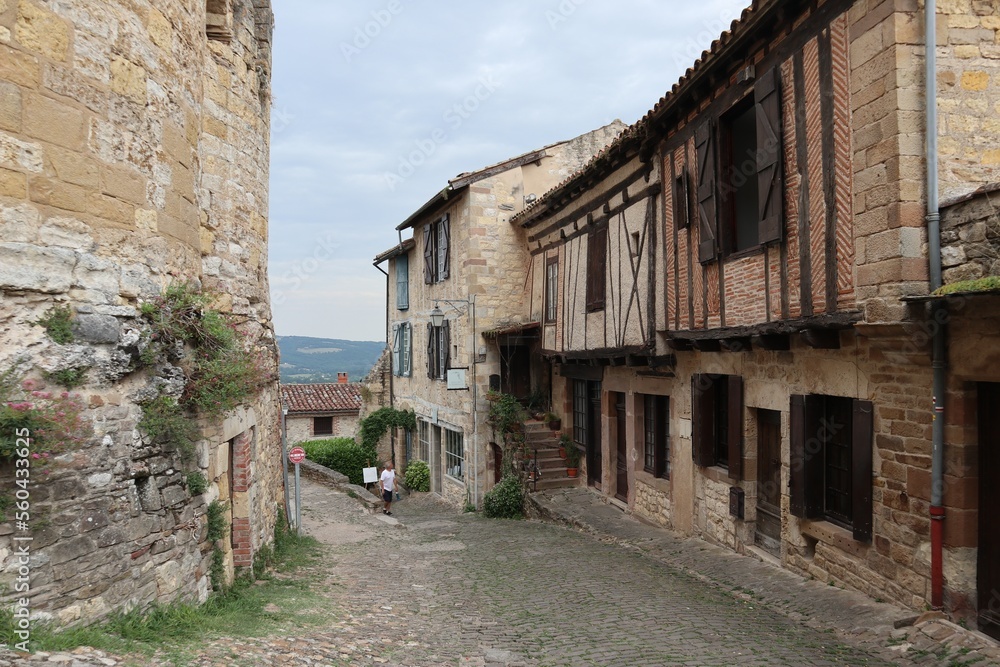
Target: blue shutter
(403,282)
(406,345)
(396,347)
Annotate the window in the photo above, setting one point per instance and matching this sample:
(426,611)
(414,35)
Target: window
(597,261)
(580,412)
(402,349)
(740,199)
(423,442)
(454,454)
(551,289)
(437,260)
(322,425)
(717,422)
(739,186)
(403,282)
(656,420)
(831,461)
(438,351)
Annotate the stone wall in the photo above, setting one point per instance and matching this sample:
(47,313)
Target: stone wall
(970,236)
(134,154)
(300,428)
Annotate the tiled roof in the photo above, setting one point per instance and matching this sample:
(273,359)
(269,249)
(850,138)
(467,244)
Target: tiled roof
(395,251)
(634,135)
(321,397)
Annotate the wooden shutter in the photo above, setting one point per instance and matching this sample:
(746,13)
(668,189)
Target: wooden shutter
(682,201)
(702,421)
(444,238)
(704,143)
(406,344)
(403,282)
(445,348)
(397,365)
(429,256)
(771,198)
(816,433)
(861,477)
(597,262)
(797,476)
(735,415)
(431,351)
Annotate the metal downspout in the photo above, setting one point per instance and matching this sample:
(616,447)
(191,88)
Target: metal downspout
(939,315)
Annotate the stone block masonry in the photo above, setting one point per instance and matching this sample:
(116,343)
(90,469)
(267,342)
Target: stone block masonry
(134,154)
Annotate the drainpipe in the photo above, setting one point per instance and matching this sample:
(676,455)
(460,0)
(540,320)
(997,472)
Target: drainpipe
(938,309)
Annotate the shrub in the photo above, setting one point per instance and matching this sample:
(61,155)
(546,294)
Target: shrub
(196,483)
(54,421)
(343,455)
(165,423)
(58,323)
(68,377)
(505,500)
(375,425)
(417,477)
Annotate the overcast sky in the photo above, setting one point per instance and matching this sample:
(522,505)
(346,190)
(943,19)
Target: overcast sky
(377,103)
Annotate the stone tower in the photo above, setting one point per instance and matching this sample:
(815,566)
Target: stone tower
(134,149)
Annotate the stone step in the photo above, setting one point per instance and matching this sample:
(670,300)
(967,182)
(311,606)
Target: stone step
(555,483)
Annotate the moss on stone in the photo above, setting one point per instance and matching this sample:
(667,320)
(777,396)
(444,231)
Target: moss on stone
(987,284)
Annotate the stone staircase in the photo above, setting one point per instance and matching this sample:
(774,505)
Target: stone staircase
(552,467)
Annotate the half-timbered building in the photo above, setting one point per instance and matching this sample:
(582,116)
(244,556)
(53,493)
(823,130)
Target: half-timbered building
(731,298)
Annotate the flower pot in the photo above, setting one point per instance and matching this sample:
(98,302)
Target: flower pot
(555,424)
(562,452)
(571,472)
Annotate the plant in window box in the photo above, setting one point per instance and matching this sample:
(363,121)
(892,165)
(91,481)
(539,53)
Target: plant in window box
(572,459)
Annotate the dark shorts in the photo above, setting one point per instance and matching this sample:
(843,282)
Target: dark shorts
(387,496)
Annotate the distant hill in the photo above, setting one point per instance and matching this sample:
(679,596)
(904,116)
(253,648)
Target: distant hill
(307,360)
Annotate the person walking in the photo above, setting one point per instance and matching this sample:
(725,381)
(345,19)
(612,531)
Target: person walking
(387,483)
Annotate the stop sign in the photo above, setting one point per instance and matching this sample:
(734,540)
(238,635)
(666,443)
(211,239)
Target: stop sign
(296,455)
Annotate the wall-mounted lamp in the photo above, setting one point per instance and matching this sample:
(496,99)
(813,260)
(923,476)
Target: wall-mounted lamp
(437,316)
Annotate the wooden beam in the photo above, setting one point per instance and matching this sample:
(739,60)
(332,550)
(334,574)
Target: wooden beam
(741,344)
(772,342)
(679,344)
(636,360)
(707,345)
(822,339)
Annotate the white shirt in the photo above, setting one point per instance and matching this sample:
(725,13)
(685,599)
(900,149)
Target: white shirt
(388,479)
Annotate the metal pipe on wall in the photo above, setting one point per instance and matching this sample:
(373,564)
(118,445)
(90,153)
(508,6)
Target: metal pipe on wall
(939,315)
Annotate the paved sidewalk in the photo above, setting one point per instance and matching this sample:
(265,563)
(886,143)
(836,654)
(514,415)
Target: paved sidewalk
(930,639)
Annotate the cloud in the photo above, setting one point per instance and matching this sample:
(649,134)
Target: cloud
(341,122)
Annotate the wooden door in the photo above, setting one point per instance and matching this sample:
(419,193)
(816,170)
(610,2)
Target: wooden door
(595,465)
(621,488)
(497,462)
(515,370)
(769,481)
(989,500)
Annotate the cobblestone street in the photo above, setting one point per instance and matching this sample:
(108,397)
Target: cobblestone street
(433,586)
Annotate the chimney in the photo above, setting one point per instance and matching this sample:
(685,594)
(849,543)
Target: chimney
(341,378)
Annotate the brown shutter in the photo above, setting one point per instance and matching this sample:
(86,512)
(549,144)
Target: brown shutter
(735,414)
(443,240)
(597,262)
(702,420)
(429,257)
(445,348)
(816,436)
(431,351)
(704,143)
(861,477)
(797,476)
(769,150)
(682,206)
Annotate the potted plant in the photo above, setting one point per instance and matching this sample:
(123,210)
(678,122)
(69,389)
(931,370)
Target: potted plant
(565,442)
(552,420)
(572,459)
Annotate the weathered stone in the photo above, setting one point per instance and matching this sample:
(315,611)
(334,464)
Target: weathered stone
(25,266)
(71,549)
(96,328)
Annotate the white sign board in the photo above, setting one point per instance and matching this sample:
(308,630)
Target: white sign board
(456,379)
(371,475)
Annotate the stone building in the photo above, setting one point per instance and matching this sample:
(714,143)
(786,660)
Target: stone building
(467,262)
(134,151)
(732,299)
(317,411)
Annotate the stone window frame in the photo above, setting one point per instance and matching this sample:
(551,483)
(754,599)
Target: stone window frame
(656,435)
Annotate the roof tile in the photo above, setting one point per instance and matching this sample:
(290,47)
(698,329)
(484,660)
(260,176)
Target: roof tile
(321,397)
